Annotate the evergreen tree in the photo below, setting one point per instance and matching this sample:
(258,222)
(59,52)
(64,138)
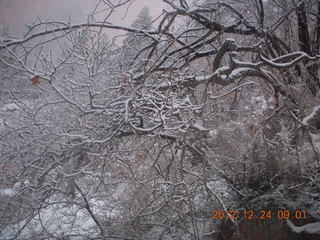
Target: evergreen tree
(136,41)
(143,20)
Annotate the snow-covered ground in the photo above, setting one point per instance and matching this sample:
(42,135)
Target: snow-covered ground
(55,221)
(10,107)
(4,111)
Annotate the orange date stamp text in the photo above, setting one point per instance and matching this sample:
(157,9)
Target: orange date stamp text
(262,214)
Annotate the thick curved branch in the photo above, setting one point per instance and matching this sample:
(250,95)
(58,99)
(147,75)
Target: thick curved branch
(299,56)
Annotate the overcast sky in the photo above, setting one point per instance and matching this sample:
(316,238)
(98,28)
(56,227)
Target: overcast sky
(16,14)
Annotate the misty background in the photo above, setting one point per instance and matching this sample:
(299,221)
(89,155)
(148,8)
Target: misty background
(15,15)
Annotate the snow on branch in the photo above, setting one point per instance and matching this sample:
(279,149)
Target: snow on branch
(232,90)
(313,119)
(68,29)
(140,129)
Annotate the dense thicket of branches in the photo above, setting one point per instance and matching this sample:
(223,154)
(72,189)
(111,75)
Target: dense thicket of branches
(202,110)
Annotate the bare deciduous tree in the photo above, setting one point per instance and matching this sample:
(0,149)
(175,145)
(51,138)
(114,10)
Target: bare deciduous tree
(207,115)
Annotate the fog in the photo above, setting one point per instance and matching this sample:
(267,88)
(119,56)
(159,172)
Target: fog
(15,15)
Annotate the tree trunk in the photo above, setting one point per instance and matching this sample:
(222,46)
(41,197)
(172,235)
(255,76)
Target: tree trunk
(305,46)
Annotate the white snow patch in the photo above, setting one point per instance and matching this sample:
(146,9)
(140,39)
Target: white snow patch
(238,72)
(260,101)
(223,69)
(213,132)
(315,111)
(57,220)
(3,123)
(198,125)
(10,107)
(230,40)
(310,228)
(186,101)
(7,192)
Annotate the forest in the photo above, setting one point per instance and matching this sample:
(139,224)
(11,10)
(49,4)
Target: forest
(201,123)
